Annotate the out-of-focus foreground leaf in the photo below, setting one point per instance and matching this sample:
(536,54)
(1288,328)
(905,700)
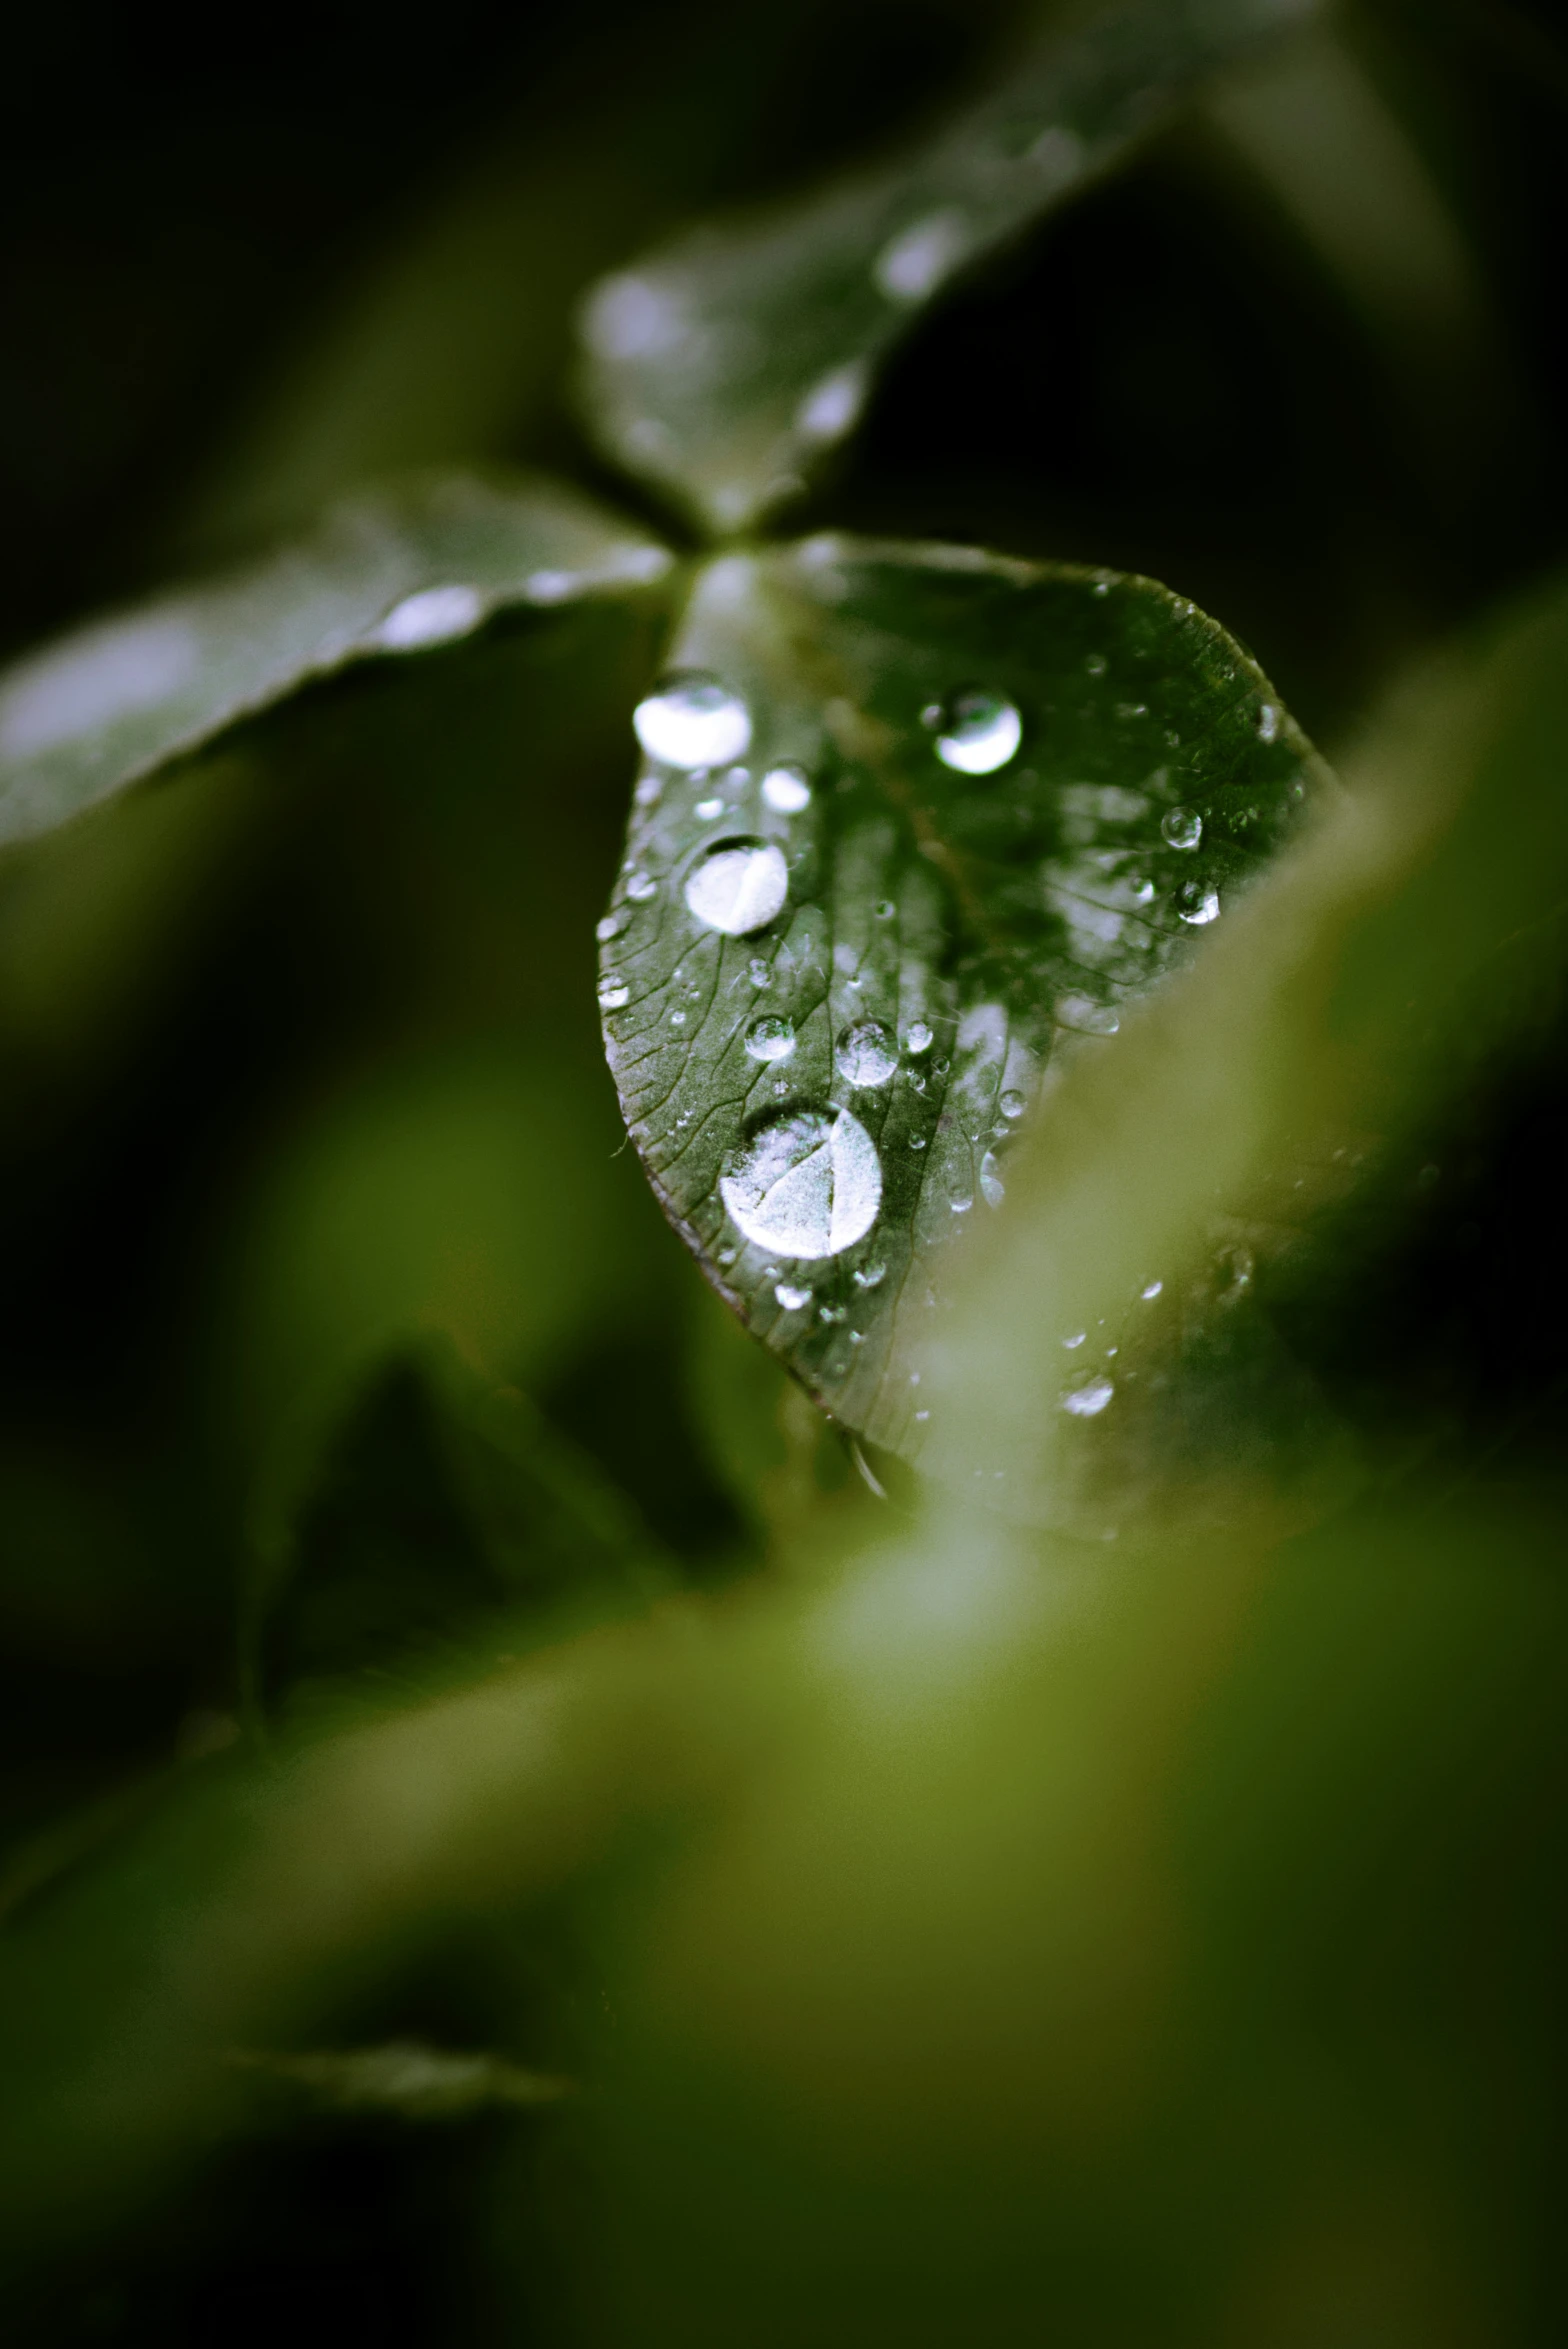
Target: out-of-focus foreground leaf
(386,574)
(725,366)
(984,807)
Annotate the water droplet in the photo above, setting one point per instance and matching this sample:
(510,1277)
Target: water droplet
(886,909)
(833,404)
(1182,827)
(613,993)
(707,809)
(981,732)
(629,318)
(1154,1289)
(871,1276)
(1268,723)
(792,1298)
(914,263)
(962,1204)
(693,721)
(770,1039)
(1088,1401)
(677,1019)
(1072,1344)
(919,1037)
(866,1055)
(1089,1017)
(1197,905)
(831,1314)
(917,1141)
(641,886)
(739,888)
(786,790)
(808,1185)
(914,1378)
(725,1256)
(649,791)
(757,972)
(1012,1104)
(610,926)
(922,1414)
(992,1188)
(1097,664)
(1143,894)
(436,615)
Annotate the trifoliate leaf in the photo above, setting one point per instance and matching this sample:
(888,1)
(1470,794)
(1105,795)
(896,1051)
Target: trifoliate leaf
(728,363)
(915,823)
(385,575)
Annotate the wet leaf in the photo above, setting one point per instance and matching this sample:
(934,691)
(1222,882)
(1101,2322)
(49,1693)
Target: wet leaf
(384,575)
(731,361)
(916,824)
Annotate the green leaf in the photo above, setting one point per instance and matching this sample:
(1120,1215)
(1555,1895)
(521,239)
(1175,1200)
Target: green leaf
(383,576)
(731,361)
(985,805)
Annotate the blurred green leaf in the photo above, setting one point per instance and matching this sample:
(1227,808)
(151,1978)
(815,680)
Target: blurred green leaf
(725,366)
(986,807)
(384,575)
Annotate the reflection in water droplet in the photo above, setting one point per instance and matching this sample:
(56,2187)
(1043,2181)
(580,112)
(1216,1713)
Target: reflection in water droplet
(706,810)
(1087,1402)
(981,732)
(1268,723)
(693,721)
(1153,1290)
(436,615)
(786,790)
(1012,1104)
(871,1276)
(613,993)
(809,1185)
(1182,827)
(918,1038)
(914,263)
(641,886)
(866,1055)
(793,1298)
(1197,905)
(739,888)
(770,1039)
(992,1188)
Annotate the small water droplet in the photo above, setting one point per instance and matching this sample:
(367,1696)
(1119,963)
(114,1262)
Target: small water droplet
(693,721)
(758,972)
(866,1055)
(649,791)
(1097,664)
(436,615)
(781,1089)
(1090,1018)
(677,1019)
(1154,1289)
(886,909)
(1268,723)
(707,809)
(613,993)
(922,1414)
(610,926)
(786,789)
(739,887)
(770,1039)
(992,1188)
(914,1378)
(1197,905)
(917,1141)
(792,1298)
(1072,1344)
(914,1080)
(808,1185)
(981,732)
(725,1256)
(640,887)
(871,1276)
(919,1037)
(1182,827)
(1012,1104)
(1143,894)
(1088,1401)
(834,403)
(914,263)
(831,1314)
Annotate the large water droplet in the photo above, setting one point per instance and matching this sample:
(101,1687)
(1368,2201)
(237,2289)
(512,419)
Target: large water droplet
(613,993)
(786,790)
(914,263)
(866,1055)
(980,732)
(693,721)
(436,615)
(1197,905)
(1182,827)
(807,1186)
(770,1039)
(1088,1401)
(739,888)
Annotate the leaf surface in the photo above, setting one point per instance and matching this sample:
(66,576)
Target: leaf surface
(732,360)
(966,811)
(383,576)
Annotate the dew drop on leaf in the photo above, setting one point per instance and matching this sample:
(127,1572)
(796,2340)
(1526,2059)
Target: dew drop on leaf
(866,1055)
(436,615)
(770,1039)
(1182,827)
(808,1185)
(918,1038)
(915,262)
(707,809)
(1012,1104)
(613,993)
(992,1189)
(1088,1401)
(872,1275)
(640,887)
(980,732)
(786,790)
(739,887)
(793,1298)
(693,721)
(1197,905)
(1268,723)
(757,971)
